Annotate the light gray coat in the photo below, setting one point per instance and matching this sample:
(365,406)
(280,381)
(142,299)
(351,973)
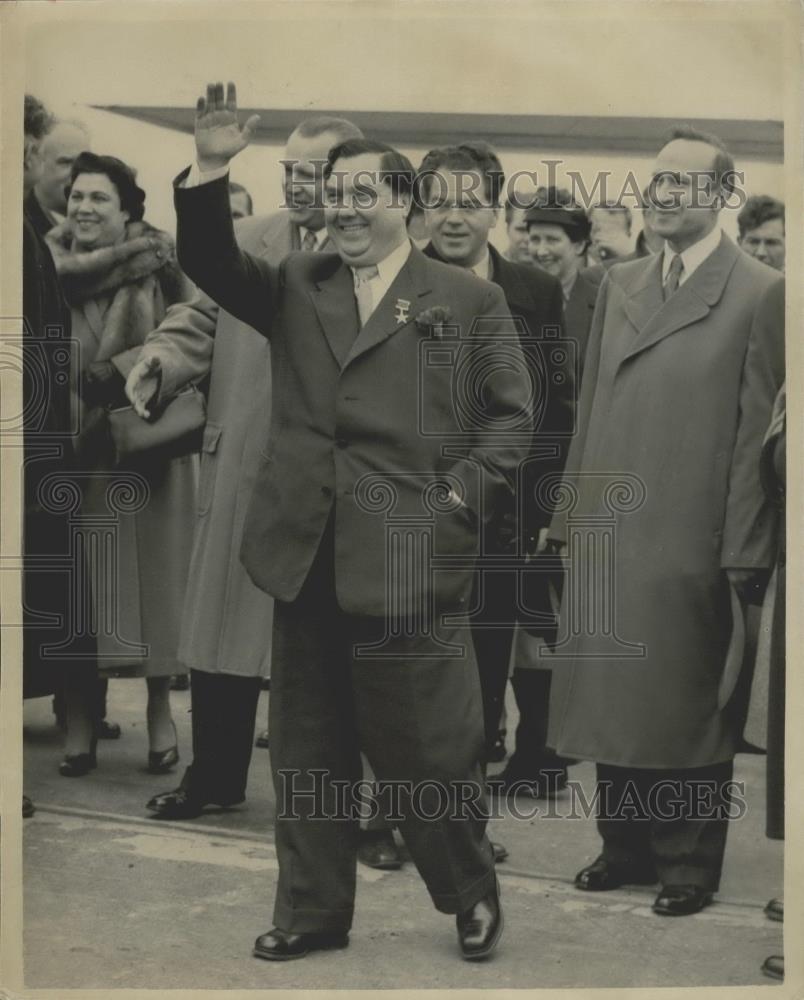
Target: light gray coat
(227,621)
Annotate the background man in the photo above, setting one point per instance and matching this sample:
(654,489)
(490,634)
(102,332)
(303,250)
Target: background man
(47,204)
(761,226)
(461,187)
(610,236)
(344,338)
(48,454)
(679,383)
(240,201)
(227,620)
(517,251)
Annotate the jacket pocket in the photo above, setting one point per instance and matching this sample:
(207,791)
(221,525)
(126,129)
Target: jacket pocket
(206,481)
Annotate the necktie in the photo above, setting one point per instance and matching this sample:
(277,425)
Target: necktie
(365,303)
(309,242)
(673,276)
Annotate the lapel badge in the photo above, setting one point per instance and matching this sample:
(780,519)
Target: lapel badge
(402,309)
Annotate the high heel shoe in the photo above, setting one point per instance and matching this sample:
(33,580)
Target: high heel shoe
(161,761)
(78,764)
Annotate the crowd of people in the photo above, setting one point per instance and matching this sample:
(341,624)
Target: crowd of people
(212,460)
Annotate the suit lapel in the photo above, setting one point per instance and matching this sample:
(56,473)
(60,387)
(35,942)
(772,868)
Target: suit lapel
(409,288)
(334,299)
(656,319)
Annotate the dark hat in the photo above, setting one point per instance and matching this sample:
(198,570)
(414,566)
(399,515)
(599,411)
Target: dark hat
(573,221)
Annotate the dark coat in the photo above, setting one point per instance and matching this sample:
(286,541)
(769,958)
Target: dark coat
(677,395)
(356,408)
(535,297)
(49,570)
(580,307)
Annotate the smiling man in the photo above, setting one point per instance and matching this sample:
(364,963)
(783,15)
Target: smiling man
(680,379)
(346,359)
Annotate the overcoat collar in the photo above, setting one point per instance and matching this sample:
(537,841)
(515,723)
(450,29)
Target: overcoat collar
(334,301)
(653,318)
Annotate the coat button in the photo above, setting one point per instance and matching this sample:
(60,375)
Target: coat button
(326,491)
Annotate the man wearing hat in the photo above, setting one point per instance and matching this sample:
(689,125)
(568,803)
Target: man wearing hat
(558,236)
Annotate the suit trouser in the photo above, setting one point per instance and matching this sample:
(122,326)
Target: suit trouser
(418,720)
(224,712)
(685,843)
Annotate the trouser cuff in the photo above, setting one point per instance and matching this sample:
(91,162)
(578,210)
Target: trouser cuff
(312,921)
(466,898)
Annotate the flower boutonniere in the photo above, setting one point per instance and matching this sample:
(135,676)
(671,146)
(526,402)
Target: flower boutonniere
(434,320)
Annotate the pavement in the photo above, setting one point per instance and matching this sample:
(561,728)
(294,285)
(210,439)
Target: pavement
(157,905)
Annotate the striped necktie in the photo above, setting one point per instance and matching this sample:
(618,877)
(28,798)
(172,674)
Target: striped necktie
(673,276)
(365,303)
(309,241)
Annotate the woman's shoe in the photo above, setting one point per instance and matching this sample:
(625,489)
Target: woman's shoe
(162,761)
(77,765)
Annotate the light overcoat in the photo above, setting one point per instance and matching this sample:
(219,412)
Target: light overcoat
(676,397)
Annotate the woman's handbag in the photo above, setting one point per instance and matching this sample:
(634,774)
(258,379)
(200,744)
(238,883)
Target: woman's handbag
(177,430)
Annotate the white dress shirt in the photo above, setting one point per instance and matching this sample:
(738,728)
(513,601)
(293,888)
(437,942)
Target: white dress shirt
(693,256)
(387,270)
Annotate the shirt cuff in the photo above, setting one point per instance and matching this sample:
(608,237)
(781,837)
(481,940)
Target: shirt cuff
(197,177)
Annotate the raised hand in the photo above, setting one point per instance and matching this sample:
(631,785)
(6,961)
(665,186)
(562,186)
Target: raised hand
(142,383)
(218,136)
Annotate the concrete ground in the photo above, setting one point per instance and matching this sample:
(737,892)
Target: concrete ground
(116,900)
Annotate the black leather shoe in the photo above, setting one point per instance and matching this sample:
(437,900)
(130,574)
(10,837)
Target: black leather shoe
(378,850)
(603,875)
(280,946)
(480,927)
(182,804)
(681,900)
(79,764)
(262,740)
(162,761)
(775,910)
(499,852)
(108,730)
(773,966)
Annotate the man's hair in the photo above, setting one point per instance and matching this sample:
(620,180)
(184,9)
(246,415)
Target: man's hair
(124,178)
(475,156)
(759,209)
(614,208)
(341,128)
(36,118)
(396,170)
(235,188)
(723,166)
(519,201)
(555,206)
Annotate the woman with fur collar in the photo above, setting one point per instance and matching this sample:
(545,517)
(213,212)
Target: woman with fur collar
(119,275)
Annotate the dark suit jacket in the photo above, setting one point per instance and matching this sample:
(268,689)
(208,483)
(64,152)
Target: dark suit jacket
(580,308)
(48,459)
(39,217)
(364,419)
(535,297)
